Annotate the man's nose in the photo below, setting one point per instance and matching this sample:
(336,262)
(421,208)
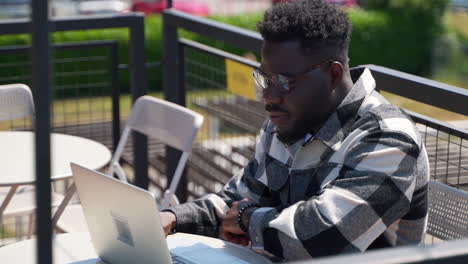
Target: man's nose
(272,94)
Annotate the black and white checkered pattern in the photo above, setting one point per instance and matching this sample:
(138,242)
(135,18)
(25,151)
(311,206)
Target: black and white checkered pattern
(360,183)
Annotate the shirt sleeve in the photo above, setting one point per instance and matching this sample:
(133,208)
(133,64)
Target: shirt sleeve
(371,189)
(203,216)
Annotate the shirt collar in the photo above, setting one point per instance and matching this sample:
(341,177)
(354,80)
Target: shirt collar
(333,131)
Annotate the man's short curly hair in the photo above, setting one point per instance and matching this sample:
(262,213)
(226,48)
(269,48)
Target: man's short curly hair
(316,24)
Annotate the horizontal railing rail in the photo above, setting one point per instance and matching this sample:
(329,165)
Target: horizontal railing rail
(453,252)
(421,89)
(217,52)
(242,38)
(23,25)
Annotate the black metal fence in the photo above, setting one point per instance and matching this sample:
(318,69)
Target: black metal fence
(447,148)
(85,81)
(41,83)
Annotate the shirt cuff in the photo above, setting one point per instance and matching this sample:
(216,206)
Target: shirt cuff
(184,222)
(257,223)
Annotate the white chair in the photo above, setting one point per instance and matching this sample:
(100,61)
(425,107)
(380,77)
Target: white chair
(173,125)
(16,103)
(448,213)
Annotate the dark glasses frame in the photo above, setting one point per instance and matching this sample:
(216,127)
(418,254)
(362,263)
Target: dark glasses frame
(262,81)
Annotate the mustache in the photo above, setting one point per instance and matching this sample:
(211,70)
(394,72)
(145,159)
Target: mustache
(275,108)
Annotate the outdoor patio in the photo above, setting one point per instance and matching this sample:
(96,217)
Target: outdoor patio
(88,103)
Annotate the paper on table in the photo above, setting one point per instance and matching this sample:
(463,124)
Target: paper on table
(200,253)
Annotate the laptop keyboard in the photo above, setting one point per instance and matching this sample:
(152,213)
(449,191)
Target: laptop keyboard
(178,260)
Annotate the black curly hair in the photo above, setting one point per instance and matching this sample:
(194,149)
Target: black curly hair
(318,25)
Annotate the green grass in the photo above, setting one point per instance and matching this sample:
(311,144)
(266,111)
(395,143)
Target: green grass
(72,111)
(99,109)
(6,233)
(422,108)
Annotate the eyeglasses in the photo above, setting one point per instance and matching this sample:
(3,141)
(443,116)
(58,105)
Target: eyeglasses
(285,82)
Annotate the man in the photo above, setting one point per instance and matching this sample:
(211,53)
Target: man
(337,168)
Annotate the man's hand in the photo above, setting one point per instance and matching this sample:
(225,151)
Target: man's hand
(168,221)
(230,227)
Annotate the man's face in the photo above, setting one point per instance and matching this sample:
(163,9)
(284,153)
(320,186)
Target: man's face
(308,104)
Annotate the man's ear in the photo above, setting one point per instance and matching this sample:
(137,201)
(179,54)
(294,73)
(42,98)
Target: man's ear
(336,72)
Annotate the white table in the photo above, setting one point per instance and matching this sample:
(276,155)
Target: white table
(77,248)
(17,158)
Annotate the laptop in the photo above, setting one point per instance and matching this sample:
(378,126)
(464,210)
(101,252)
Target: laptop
(124,225)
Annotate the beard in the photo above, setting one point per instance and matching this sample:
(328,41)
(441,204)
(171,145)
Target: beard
(297,132)
(298,129)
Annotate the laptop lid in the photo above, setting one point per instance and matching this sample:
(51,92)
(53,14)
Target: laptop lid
(123,220)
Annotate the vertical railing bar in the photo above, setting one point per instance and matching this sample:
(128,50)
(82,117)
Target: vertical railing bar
(436,152)
(460,161)
(88,100)
(138,87)
(115,96)
(425,135)
(171,87)
(447,162)
(181,191)
(41,81)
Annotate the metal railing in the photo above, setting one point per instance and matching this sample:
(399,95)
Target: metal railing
(135,23)
(453,252)
(86,96)
(41,74)
(86,101)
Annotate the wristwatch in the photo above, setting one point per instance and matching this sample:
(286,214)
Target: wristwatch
(244,213)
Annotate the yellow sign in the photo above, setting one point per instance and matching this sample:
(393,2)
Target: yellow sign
(239,79)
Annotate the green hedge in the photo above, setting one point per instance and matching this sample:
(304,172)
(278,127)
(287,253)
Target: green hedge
(383,36)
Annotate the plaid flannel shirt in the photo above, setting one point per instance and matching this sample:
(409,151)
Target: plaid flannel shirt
(359,183)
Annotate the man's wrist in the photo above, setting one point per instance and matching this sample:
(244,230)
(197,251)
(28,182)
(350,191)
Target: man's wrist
(242,218)
(246,216)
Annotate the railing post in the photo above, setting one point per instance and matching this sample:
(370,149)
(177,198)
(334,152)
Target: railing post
(138,88)
(42,85)
(181,191)
(115,95)
(174,91)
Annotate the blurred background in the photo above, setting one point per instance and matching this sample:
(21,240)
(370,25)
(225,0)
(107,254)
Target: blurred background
(425,38)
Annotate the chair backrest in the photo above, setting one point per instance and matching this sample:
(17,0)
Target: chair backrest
(448,212)
(172,124)
(16,102)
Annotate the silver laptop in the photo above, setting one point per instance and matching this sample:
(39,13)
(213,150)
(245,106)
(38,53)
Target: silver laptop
(124,223)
